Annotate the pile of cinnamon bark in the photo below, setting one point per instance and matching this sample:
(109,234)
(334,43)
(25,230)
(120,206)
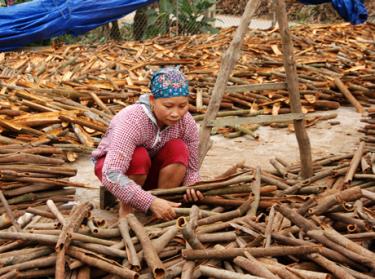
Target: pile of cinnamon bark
(78,84)
(368,129)
(29,176)
(252,223)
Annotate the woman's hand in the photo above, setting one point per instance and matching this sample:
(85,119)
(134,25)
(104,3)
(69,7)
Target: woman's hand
(193,196)
(164,209)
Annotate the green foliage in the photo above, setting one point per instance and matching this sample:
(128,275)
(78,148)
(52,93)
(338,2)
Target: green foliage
(180,17)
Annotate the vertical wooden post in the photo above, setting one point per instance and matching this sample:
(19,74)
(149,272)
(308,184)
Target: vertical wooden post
(228,61)
(293,89)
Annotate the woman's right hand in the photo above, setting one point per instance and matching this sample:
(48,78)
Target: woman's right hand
(164,209)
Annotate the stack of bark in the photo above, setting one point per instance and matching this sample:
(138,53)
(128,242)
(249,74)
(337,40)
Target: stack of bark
(119,73)
(369,129)
(251,224)
(67,96)
(34,119)
(29,176)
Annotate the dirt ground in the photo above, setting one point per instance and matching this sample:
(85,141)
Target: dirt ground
(325,139)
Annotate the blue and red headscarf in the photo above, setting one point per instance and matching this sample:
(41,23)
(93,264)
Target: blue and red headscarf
(169,82)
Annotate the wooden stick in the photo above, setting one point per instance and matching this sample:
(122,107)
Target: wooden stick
(9,212)
(293,89)
(354,163)
(319,236)
(228,254)
(63,242)
(347,243)
(101,264)
(84,273)
(25,256)
(55,211)
(203,186)
(328,202)
(256,192)
(268,231)
(228,62)
(224,274)
(39,273)
(336,270)
(348,95)
(41,262)
(253,266)
(227,215)
(217,237)
(150,254)
(40,212)
(130,250)
(283,271)
(188,230)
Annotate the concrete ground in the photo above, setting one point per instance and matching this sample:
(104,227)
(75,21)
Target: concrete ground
(325,139)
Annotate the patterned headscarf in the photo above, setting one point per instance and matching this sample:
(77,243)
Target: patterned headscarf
(169,82)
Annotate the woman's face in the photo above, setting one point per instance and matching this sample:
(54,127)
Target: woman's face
(168,111)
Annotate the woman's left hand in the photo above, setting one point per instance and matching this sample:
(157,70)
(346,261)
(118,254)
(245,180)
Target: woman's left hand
(193,196)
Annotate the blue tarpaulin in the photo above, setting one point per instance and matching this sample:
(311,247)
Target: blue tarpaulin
(43,19)
(353,11)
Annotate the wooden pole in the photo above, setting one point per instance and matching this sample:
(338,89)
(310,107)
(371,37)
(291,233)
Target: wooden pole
(293,89)
(228,61)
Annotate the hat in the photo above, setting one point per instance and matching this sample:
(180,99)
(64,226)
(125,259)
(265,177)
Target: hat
(169,82)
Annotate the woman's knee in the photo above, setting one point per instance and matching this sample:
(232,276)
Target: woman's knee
(140,163)
(177,146)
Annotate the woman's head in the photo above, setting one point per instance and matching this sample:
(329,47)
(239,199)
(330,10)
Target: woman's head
(169,98)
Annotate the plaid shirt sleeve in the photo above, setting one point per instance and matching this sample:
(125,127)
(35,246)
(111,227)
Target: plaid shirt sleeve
(191,137)
(126,137)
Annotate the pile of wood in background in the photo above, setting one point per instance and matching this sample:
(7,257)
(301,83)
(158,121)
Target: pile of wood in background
(29,176)
(285,228)
(296,10)
(66,97)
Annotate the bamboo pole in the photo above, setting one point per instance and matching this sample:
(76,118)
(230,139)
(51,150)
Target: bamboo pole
(293,89)
(228,62)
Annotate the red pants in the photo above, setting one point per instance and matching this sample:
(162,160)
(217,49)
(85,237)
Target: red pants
(173,152)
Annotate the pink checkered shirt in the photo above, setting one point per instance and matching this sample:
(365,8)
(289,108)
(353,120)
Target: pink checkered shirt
(133,127)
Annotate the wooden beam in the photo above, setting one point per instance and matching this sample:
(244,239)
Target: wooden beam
(229,59)
(293,89)
(260,119)
(256,87)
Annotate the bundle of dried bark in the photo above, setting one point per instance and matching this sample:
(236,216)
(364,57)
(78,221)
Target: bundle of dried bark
(68,95)
(369,134)
(29,176)
(251,224)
